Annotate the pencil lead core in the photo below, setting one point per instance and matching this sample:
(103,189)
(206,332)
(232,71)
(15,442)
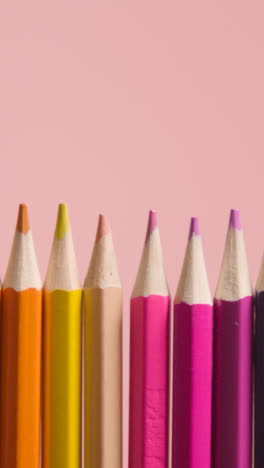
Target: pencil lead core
(235,220)
(152,223)
(63,224)
(103,228)
(194,227)
(22,219)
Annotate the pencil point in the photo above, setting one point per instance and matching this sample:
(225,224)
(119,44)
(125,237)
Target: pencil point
(152,223)
(22,219)
(235,220)
(63,224)
(103,228)
(194,227)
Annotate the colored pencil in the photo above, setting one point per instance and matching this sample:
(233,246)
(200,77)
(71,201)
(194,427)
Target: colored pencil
(102,354)
(192,360)
(21,353)
(62,325)
(259,370)
(233,355)
(149,360)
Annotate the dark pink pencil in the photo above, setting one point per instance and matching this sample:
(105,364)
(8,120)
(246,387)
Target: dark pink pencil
(149,326)
(233,355)
(192,361)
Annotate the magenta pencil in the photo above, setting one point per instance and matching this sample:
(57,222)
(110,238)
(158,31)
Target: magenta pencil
(192,360)
(233,355)
(149,360)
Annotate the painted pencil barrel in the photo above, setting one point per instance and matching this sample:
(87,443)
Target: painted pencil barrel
(148,418)
(62,326)
(102,383)
(233,383)
(21,319)
(192,385)
(259,381)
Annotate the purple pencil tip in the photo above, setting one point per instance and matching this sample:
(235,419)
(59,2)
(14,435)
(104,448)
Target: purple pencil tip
(152,223)
(194,227)
(235,220)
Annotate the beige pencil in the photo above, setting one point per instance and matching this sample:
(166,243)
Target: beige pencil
(102,355)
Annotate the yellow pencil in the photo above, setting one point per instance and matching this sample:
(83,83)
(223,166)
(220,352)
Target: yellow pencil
(61,444)
(102,355)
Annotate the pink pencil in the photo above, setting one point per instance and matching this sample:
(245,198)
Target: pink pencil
(192,361)
(149,333)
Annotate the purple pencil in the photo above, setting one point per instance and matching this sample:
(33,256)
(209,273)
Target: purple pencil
(192,360)
(233,355)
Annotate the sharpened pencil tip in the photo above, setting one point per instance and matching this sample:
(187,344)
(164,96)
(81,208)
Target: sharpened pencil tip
(22,219)
(103,228)
(63,223)
(235,220)
(152,223)
(194,227)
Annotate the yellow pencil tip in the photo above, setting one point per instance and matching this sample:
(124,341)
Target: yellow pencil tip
(22,219)
(63,223)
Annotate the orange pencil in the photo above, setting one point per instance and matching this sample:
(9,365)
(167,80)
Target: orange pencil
(20,360)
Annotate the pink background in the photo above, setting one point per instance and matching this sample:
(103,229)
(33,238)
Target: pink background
(130,105)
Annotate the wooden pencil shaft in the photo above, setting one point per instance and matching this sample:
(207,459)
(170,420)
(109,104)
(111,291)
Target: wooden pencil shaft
(149,367)
(259,381)
(21,319)
(102,371)
(233,383)
(192,385)
(61,446)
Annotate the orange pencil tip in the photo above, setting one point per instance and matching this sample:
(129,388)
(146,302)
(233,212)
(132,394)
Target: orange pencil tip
(103,227)
(22,219)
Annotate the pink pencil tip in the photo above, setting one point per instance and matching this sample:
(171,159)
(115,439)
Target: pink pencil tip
(194,227)
(235,220)
(103,227)
(152,223)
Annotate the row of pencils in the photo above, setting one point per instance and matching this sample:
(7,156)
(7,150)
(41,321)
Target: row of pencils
(41,354)
(214,351)
(212,359)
